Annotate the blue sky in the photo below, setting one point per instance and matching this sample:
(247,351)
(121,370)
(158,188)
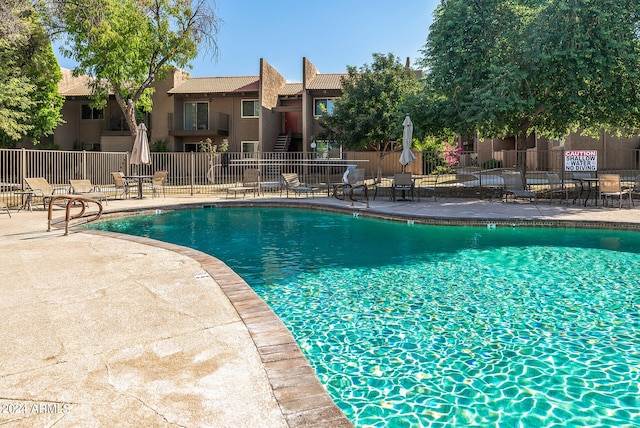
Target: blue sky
(332,34)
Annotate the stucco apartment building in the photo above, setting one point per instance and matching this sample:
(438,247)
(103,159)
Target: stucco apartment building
(253,113)
(265,113)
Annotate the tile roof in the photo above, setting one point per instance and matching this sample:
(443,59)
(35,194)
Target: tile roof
(327,81)
(207,85)
(291,89)
(71,86)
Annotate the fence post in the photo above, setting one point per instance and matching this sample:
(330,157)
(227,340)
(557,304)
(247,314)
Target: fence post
(192,167)
(84,164)
(23,166)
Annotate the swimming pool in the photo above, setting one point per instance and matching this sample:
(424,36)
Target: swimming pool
(440,326)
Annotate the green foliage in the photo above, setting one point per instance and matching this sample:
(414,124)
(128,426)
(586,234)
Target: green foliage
(439,156)
(125,45)
(211,149)
(430,144)
(512,67)
(15,103)
(492,164)
(47,145)
(29,74)
(160,145)
(368,115)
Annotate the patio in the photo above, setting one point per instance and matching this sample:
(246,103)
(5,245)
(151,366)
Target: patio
(103,329)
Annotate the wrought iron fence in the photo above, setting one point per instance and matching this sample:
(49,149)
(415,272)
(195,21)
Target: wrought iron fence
(202,173)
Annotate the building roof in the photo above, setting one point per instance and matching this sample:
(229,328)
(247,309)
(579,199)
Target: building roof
(291,89)
(71,86)
(327,81)
(209,85)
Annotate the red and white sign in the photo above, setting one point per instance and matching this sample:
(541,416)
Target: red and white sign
(581,160)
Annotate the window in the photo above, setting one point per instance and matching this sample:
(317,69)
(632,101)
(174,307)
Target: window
(249,148)
(321,105)
(91,113)
(191,147)
(196,116)
(250,108)
(328,150)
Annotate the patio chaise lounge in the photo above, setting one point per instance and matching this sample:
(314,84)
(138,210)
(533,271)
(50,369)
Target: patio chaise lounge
(85,188)
(514,186)
(41,189)
(4,206)
(250,183)
(292,182)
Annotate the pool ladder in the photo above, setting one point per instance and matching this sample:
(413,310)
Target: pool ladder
(72,200)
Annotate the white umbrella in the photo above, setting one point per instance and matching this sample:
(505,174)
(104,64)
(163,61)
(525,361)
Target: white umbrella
(407,155)
(140,153)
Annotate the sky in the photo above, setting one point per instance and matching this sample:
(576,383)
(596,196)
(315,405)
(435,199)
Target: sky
(332,34)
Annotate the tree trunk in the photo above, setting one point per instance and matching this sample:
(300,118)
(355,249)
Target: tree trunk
(379,172)
(128,107)
(130,116)
(521,152)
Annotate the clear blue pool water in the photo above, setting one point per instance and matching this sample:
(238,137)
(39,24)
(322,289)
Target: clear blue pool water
(412,325)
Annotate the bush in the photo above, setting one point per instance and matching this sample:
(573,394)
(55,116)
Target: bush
(492,164)
(160,145)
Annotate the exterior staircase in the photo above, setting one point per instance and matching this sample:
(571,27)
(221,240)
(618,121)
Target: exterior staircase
(282,143)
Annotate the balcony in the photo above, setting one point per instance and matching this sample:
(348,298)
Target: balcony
(216,127)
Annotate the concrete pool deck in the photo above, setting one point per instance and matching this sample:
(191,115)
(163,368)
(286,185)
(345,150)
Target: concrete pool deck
(106,330)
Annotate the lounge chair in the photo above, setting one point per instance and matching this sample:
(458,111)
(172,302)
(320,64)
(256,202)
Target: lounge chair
(121,184)
(292,182)
(610,187)
(250,183)
(514,186)
(85,188)
(402,181)
(4,206)
(41,189)
(556,187)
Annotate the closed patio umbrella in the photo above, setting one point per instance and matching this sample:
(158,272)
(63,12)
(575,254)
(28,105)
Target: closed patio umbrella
(140,154)
(407,155)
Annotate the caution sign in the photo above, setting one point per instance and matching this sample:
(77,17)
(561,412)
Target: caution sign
(581,160)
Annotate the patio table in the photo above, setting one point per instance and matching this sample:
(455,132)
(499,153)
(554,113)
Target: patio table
(140,179)
(592,185)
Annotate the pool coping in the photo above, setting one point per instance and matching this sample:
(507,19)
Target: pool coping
(301,397)
(391,215)
(303,400)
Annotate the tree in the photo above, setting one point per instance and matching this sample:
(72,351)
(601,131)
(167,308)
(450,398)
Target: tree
(29,75)
(368,115)
(126,45)
(515,67)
